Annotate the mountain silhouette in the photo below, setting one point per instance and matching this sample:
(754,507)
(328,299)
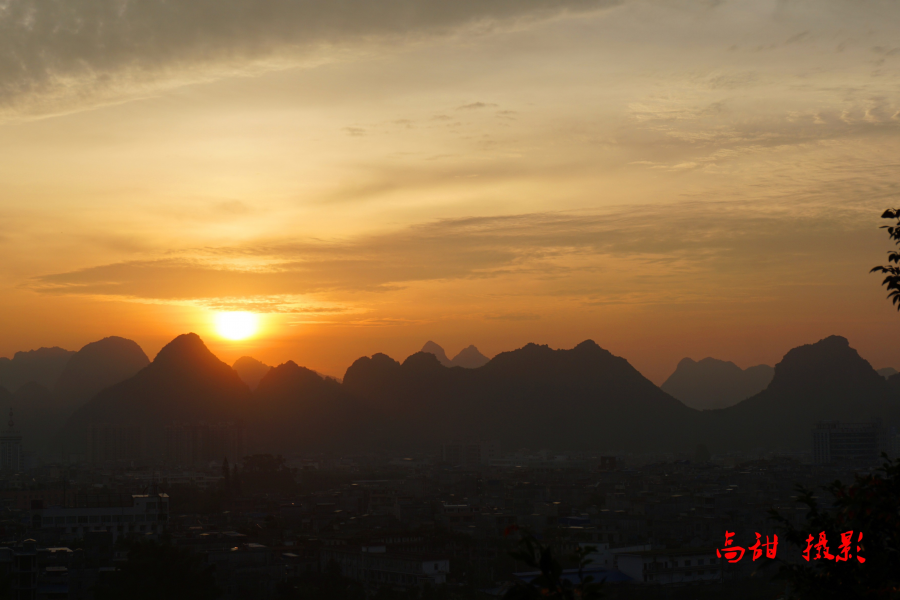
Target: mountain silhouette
(534,396)
(468,358)
(250,370)
(887,372)
(827,380)
(95,367)
(301,410)
(185,382)
(42,366)
(432,348)
(713,383)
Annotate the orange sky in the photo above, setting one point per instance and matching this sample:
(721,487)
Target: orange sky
(668,178)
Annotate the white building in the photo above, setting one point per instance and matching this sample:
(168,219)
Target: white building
(145,514)
(671,566)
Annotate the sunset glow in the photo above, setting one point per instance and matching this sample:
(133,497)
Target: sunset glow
(236,325)
(310,164)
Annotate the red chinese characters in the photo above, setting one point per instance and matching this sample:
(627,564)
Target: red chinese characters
(771,547)
(822,551)
(731,553)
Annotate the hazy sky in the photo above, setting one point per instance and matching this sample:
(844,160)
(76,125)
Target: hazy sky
(668,178)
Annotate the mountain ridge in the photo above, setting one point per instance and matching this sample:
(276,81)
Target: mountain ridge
(534,396)
(711,383)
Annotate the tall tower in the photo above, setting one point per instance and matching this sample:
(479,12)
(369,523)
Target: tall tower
(11,448)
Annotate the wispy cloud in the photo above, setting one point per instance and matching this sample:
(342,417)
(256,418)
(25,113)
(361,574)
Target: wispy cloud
(556,251)
(60,54)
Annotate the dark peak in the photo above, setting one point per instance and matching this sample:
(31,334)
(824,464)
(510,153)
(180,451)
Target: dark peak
(470,358)
(42,352)
(709,360)
(833,347)
(293,368)
(589,348)
(713,383)
(185,352)
(250,370)
(112,342)
(288,372)
(829,359)
(250,362)
(186,344)
(377,362)
(99,365)
(887,372)
(366,374)
(531,346)
(382,360)
(432,348)
(422,360)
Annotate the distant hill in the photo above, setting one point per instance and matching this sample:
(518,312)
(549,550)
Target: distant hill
(185,382)
(42,366)
(827,380)
(537,397)
(301,410)
(534,396)
(432,348)
(96,367)
(887,372)
(468,358)
(250,370)
(713,383)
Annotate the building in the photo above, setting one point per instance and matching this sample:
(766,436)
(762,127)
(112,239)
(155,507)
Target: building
(199,443)
(375,565)
(834,441)
(671,566)
(11,448)
(470,453)
(115,442)
(138,514)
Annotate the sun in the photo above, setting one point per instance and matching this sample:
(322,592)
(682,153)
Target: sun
(236,325)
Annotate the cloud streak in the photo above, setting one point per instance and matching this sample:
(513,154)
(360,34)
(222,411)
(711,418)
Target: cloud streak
(585,254)
(60,54)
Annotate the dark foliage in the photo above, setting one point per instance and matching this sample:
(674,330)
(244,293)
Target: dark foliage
(871,505)
(551,583)
(892,280)
(160,571)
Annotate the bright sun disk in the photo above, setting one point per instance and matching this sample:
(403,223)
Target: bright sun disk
(236,325)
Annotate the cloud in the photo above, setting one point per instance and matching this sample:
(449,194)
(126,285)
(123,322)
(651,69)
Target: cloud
(475,106)
(738,245)
(56,55)
(355,131)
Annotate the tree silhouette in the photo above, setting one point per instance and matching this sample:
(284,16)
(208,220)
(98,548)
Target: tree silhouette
(892,280)
(869,506)
(158,571)
(550,584)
